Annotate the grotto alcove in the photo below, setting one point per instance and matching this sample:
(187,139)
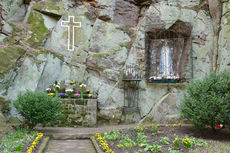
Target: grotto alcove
(168,52)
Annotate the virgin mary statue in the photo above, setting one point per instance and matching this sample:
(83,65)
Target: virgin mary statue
(166,60)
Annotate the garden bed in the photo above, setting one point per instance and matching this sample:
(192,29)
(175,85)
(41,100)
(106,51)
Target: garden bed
(19,141)
(136,140)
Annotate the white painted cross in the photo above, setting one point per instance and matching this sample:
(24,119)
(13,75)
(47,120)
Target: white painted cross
(71,25)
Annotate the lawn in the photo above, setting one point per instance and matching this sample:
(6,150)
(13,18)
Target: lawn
(172,139)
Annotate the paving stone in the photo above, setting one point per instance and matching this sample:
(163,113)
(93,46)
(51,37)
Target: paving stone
(70,146)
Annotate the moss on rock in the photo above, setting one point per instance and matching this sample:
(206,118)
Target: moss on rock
(8,58)
(54,7)
(38,28)
(51,6)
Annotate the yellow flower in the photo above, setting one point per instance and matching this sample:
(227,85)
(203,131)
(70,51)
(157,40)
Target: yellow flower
(166,125)
(34,143)
(180,124)
(90,95)
(50,94)
(174,125)
(72,82)
(88,90)
(158,125)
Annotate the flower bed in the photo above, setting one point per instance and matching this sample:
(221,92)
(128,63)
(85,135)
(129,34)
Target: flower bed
(34,143)
(153,138)
(22,140)
(69,89)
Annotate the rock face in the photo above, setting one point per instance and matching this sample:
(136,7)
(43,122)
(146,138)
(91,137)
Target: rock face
(224,44)
(113,34)
(4,108)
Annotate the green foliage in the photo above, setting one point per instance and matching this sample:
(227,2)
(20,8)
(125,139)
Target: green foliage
(112,135)
(165,140)
(13,142)
(173,151)
(126,142)
(207,101)
(140,128)
(38,107)
(176,143)
(141,139)
(198,142)
(153,148)
(154,129)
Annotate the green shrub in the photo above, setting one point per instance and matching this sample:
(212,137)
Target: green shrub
(207,101)
(38,107)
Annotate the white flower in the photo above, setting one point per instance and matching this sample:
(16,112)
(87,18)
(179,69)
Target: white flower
(57,86)
(159,78)
(69,90)
(82,85)
(48,89)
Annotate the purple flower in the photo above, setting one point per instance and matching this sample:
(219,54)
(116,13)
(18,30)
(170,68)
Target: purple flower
(76,94)
(62,94)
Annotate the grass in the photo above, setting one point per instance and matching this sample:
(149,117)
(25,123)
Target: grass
(15,141)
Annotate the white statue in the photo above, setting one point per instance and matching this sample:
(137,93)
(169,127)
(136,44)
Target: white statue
(166,69)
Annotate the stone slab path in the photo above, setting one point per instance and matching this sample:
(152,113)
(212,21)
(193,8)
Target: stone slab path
(75,140)
(70,146)
(79,133)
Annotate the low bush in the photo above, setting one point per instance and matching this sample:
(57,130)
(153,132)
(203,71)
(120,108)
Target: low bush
(38,107)
(207,101)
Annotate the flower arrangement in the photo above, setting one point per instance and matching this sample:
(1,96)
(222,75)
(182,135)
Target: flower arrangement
(34,143)
(164,79)
(103,143)
(69,89)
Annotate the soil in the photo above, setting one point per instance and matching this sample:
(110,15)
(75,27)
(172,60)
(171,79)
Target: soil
(206,134)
